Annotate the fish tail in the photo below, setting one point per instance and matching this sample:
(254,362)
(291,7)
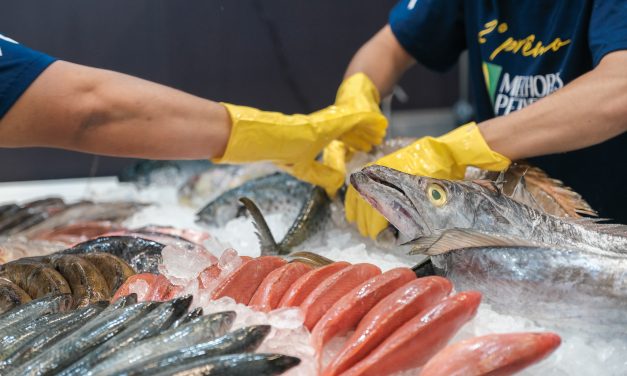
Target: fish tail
(267,243)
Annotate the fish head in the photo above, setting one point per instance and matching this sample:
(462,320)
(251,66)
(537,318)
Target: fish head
(417,205)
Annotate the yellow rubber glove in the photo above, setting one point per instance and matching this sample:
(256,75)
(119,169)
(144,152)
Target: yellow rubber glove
(444,157)
(294,141)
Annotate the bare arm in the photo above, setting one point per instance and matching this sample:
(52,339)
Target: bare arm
(587,111)
(382,59)
(79,108)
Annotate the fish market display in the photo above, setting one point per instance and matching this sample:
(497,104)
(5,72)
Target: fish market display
(399,321)
(573,270)
(117,290)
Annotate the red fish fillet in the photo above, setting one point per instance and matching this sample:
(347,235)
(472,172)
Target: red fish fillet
(494,355)
(274,286)
(346,313)
(303,286)
(412,344)
(387,316)
(333,289)
(243,282)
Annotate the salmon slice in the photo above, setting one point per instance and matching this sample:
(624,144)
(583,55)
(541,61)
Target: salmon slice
(274,286)
(300,290)
(412,344)
(387,316)
(333,289)
(243,282)
(494,355)
(157,287)
(346,313)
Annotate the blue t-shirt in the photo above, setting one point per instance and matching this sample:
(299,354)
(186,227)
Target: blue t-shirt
(519,50)
(19,67)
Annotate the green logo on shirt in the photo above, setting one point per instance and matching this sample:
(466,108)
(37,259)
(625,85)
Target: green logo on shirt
(491,74)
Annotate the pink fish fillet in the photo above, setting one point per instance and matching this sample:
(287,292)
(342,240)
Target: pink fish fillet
(300,290)
(346,313)
(274,286)
(414,343)
(333,289)
(494,355)
(242,283)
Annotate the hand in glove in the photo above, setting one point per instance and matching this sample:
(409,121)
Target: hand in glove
(294,141)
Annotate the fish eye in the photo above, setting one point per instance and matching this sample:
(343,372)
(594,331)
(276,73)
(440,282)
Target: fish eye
(436,194)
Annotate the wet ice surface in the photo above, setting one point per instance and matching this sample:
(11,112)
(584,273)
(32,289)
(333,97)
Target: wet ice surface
(577,355)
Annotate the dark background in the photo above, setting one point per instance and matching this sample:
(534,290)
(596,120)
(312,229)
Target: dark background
(282,55)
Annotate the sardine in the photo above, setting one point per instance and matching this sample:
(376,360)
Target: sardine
(93,333)
(234,365)
(148,326)
(207,328)
(36,308)
(13,337)
(36,278)
(143,255)
(240,341)
(11,295)
(48,337)
(114,270)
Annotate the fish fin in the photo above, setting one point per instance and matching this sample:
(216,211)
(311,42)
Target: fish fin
(309,258)
(424,268)
(266,239)
(488,185)
(458,238)
(542,186)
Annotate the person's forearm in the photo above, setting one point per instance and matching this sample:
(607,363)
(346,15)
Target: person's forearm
(588,111)
(109,113)
(382,59)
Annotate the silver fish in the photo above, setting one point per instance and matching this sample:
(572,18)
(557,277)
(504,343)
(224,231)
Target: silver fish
(207,327)
(242,340)
(150,325)
(274,193)
(77,344)
(234,365)
(36,308)
(422,207)
(14,336)
(49,335)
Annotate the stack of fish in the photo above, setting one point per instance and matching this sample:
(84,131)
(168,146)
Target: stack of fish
(400,321)
(129,338)
(89,278)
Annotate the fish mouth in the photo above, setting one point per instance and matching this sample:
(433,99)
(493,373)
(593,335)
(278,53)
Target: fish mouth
(382,188)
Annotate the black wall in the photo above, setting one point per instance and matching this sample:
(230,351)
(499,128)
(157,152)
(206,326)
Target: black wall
(283,55)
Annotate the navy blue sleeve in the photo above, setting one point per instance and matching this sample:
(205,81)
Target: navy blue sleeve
(608,28)
(19,67)
(432,31)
